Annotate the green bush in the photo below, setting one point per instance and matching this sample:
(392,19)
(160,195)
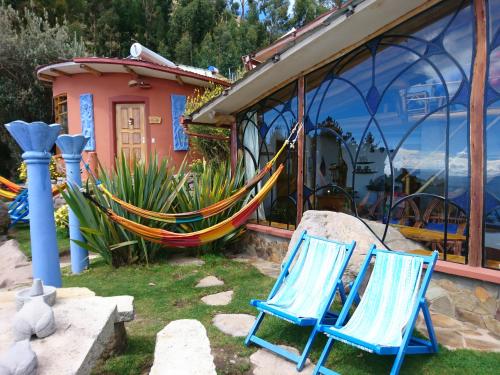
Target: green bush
(153,186)
(211,183)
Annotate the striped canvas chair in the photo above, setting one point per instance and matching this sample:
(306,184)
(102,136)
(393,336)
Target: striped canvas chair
(304,291)
(384,320)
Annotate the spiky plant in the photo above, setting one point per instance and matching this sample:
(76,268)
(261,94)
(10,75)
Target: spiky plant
(211,183)
(152,186)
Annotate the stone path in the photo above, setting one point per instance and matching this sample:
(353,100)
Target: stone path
(182,347)
(267,363)
(265,267)
(180,260)
(209,281)
(236,325)
(218,299)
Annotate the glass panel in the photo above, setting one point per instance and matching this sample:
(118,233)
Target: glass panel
(492,190)
(387,130)
(262,131)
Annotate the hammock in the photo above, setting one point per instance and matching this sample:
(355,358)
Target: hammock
(13,192)
(200,237)
(12,186)
(214,209)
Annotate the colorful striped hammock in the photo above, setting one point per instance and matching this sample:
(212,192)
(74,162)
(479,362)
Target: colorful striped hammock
(200,237)
(214,209)
(15,189)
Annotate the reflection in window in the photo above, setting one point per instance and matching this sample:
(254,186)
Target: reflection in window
(262,131)
(387,131)
(492,139)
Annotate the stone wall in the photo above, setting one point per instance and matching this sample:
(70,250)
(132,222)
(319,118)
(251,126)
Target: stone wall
(458,304)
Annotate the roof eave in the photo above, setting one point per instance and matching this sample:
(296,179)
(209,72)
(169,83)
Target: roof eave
(371,15)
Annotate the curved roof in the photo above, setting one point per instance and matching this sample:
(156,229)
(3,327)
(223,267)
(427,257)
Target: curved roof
(104,65)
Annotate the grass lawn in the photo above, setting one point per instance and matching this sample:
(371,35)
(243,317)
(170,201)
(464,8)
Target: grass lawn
(21,232)
(164,293)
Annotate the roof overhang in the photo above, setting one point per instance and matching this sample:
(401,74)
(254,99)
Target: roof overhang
(99,66)
(336,36)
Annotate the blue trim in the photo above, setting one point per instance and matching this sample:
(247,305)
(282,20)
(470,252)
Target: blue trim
(87,120)
(181,142)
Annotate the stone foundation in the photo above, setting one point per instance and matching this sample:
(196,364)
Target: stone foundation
(454,300)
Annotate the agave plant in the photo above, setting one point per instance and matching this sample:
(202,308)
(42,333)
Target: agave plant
(152,186)
(211,183)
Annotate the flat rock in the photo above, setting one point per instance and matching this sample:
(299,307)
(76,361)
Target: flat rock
(124,307)
(182,348)
(218,299)
(84,327)
(185,261)
(455,334)
(237,325)
(266,363)
(208,282)
(345,228)
(265,267)
(15,269)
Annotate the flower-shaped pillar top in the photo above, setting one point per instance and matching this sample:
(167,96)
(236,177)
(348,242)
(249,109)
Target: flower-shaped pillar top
(36,138)
(72,147)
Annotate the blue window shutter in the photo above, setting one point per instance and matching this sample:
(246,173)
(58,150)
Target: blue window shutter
(87,120)
(180,138)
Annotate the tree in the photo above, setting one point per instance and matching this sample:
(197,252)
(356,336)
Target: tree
(27,41)
(275,17)
(305,11)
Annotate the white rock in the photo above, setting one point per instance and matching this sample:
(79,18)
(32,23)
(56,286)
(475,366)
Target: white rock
(267,363)
(237,325)
(84,327)
(218,299)
(183,348)
(34,318)
(346,228)
(20,359)
(209,281)
(124,307)
(15,270)
(185,261)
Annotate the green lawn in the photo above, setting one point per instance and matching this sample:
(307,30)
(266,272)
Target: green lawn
(21,232)
(164,293)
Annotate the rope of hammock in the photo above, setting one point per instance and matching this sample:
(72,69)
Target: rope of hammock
(209,211)
(173,239)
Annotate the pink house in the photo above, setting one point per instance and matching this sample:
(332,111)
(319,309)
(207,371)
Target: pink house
(125,105)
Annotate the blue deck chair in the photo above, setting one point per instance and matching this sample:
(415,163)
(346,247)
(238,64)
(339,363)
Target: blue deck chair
(19,209)
(304,291)
(384,320)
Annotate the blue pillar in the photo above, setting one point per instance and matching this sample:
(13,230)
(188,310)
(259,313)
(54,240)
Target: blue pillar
(72,147)
(36,140)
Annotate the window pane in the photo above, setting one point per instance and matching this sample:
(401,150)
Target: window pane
(263,129)
(387,130)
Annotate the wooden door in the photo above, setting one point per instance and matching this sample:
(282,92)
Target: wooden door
(130,131)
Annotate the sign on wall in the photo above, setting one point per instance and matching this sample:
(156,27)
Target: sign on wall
(180,138)
(87,120)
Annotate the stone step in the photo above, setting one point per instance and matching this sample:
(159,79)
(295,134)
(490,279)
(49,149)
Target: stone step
(237,325)
(182,348)
(218,299)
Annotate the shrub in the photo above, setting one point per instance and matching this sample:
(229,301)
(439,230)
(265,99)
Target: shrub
(61,217)
(212,183)
(152,186)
